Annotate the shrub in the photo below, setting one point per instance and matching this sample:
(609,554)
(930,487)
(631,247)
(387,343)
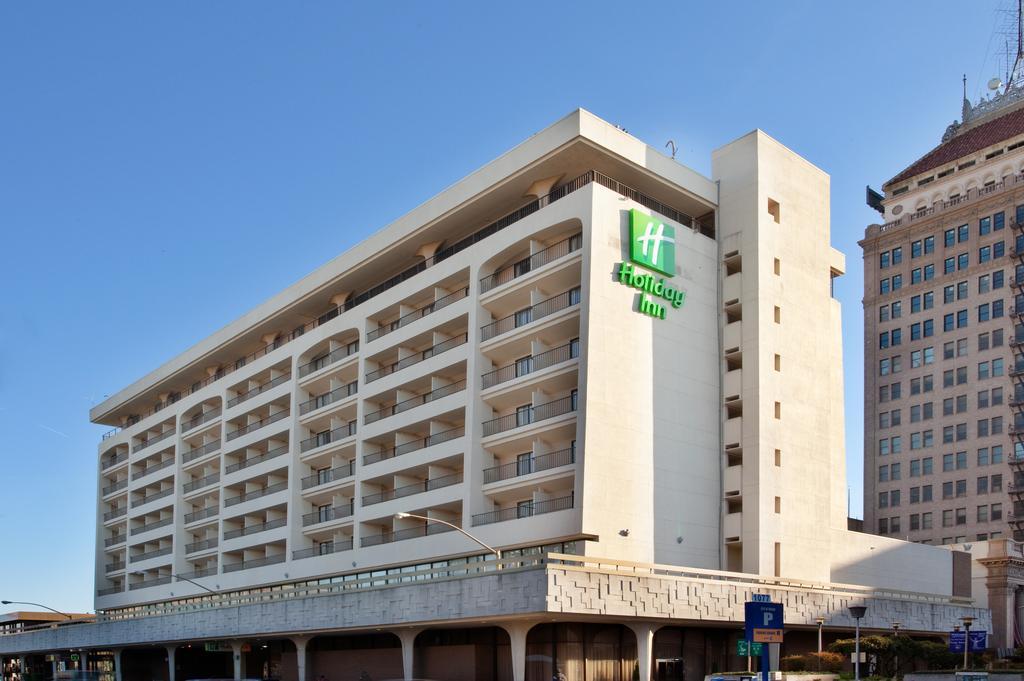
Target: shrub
(825,662)
(794,663)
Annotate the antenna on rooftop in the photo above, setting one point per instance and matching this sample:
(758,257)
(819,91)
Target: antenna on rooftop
(671,145)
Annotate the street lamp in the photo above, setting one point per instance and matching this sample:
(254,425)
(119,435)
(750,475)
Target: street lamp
(821,623)
(38,605)
(140,573)
(857,612)
(968,621)
(896,654)
(496,552)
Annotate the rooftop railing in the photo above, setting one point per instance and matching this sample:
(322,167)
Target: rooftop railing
(260,458)
(419,313)
(415,488)
(531,314)
(534,464)
(323,549)
(329,475)
(414,445)
(254,563)
(523,511)
(327,437)
(193,454)
(256,494)
(527,265)
(325,515)
(417,357)
(256,425)
(1009,182)
(529,415)
(335,395)
(262,388)
(255,529)
(529,365)
(402,535)
(405,405)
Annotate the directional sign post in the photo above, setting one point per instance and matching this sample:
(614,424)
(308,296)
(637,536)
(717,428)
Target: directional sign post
(748,649)
(763,624)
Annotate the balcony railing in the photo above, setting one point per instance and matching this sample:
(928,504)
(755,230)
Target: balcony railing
(528,415)
(115,566)
(405,405)
(327,437)
(196,574)
(256,494)
(201,545)
(200,483)
(166,463)
(142,444)
(417,357)
(329,475)
(110,590)
(193,454)
(115,513)
(329,398)
(158,581)
(256,425)
(419,313)
(200,419)
(527,265)
(323,549)
(255,563)
(146,527)
(525,466)
(155,553)
(262,388)
(415,488)
(525,316)
(113,541)
(529,365)
(255,529)
(114,460)
(115,487)
(202,514)
(523,511)
(153,497)
(325,515)
(414,445)
(330,358)
(252,461)
(408,533)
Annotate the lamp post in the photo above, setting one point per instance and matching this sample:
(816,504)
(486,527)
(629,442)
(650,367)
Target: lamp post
(140,573)
(821,623)
(38,605)
(896,654)
(968,621)
(857,612)
(496,552)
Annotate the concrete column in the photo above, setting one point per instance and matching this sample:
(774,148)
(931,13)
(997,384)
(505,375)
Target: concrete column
(54,667)
(408,639)
(117,664)
(170,662)
(517,632)
(236,656)
(644,647)
(22,667)
(301,657)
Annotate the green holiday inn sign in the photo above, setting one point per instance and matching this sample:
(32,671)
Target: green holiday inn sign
(652,245)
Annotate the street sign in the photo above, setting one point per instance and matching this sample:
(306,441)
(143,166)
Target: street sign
(763,622)
(977,641)
(745,648)
(956,641)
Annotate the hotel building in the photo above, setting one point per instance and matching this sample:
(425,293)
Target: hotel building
(621,378)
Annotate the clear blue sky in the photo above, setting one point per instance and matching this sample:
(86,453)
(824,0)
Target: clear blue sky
(165,167)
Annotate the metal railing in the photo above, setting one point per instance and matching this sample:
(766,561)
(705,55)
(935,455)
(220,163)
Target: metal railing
(116,539)
(142,444)
(202,514)
(405,405)
(110,590)
(526,416)
(166,463)
(256,494)
(259,458)
(328,359)
(534,464)
(418,313)
(262,388)
(146,527)
(256,425)
(527,265)
(414,445)
(323,549)
(417,357)
(562,301)
(153,497)
(114,460)
(115,513)
(200,483)
(329,475)
(200,419)
(329,398)
(327,437)
(523,511)
(117,486)
(116,565)
(255,563)
(196,574)
(401,535)
(193,454)
(255,529)
(155,553)
(150,582)
(529,365)
(201,545)
(415,488)
(324,515)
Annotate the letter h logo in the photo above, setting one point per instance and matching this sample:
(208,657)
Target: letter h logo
(652,243)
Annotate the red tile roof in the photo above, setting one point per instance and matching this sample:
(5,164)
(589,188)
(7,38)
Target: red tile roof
(966,143)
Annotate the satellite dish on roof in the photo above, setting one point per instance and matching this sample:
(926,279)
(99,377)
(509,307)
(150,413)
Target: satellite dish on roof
(995,84)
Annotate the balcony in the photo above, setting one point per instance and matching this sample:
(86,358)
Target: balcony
(256,494)
(260,458)
(203,545)
(417,357)
(327,437)
(258,390)
(201,514)
(114,541)
(323,549)
(414,445)
(200,419)
(115,566)
(530,415)
(115,513)
(420,313)
(153,440)
(193,454)
(328,475)
(254,563)
(153,497)
(405,405)
(110,590)
(200,483)
(531,314)
(409,490)
(146,583)
(155,553)
(335,395)
(115,487)
(527,265)
(523,511)
(526,466)
(196,574)
(114,460)
(256,425)
(330,358)
(255,529)
(529,365)
(401,535)
(326,515)
(153,468)
(146,527)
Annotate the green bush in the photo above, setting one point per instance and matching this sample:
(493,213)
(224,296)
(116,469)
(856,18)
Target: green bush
(825,662)
(793,663)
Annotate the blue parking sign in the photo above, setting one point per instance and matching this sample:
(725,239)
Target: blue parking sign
(763,622)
